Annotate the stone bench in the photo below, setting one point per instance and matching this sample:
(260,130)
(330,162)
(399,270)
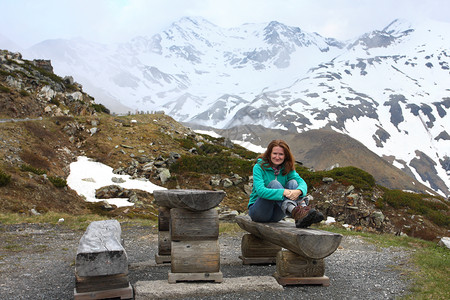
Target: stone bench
(301,260)
(101,264)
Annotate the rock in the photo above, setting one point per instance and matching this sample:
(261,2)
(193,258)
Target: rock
(349,189)
(93,130)
(248,189)
(227,183)
(444,242)
(378,218)
(35,212)
(68,80)
(228,215)
(215,180)
(117,180)
(327,179)
(164,175)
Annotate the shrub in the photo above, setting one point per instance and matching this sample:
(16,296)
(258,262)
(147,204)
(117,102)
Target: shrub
(244,153)
(57,181)
(55,101)
(100,108)
(4,178)
(24,93)
(187,143)
(28,168)
(218,164)
(347,176)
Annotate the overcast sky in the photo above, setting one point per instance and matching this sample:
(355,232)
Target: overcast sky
(27,22)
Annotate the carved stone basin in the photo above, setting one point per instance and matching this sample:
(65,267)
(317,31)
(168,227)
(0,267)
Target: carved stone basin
(194,200)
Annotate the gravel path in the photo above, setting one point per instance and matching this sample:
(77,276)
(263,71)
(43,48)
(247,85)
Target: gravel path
(37,262)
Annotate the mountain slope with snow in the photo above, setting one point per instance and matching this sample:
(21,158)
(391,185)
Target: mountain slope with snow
(388,88)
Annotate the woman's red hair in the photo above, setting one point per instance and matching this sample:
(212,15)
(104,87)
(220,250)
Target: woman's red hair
(288,156)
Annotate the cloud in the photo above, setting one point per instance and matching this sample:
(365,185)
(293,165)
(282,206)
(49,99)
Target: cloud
(28,21)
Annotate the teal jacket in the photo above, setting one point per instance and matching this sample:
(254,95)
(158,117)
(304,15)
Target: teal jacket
(263,174)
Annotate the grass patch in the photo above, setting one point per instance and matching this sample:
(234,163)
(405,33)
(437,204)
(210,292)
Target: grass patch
(74,222)
(428,267)
(229,227)
(80,222)
(216,164)
(13,247)
(57,181)
(28,168)
(4,89)
(4,178)
(436,211)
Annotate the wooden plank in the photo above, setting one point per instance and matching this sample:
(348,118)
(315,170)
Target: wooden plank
(324,280)
(195,256)
(122,293)
(258,260)
(178,277)
(101,283)
(163,218)
(186,225)
(195,200)
(164,243)
(253,246)
(290,264)
(307,242)
(162,259)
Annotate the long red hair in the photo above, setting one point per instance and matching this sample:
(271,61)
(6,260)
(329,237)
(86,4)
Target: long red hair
(288,156)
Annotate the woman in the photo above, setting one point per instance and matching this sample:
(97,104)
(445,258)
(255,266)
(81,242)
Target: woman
(278,189)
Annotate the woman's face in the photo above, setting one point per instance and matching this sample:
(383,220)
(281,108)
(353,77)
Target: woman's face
(277,156)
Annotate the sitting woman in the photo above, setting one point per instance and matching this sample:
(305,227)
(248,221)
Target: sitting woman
(278,190)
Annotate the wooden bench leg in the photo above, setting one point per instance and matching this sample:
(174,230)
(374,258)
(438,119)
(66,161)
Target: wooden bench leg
(293,269)
(257,251)
(164,240)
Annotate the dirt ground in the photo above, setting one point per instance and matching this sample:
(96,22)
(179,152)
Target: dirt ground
(37,261)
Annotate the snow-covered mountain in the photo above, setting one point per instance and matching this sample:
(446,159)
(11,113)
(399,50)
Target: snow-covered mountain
(388,89)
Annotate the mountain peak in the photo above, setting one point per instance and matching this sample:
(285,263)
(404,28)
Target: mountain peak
(398,26)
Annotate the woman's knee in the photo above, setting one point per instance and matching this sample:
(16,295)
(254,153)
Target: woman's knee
(292,184)
(274,185)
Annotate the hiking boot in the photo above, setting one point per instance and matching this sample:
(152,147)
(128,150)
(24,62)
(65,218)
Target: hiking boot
(304,216)
(318,217)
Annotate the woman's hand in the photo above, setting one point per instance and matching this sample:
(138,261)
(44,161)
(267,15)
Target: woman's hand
(292,194)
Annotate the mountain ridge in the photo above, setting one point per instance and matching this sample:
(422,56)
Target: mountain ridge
(388,81)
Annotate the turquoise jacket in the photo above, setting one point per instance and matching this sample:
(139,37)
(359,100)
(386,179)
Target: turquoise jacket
(263,174)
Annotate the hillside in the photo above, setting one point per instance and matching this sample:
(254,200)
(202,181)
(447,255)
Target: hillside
(322,149)
(42,133)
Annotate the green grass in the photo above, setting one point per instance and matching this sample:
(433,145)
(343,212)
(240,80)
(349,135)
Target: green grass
(28,168)
(416,204)
(75,222)
(428,267)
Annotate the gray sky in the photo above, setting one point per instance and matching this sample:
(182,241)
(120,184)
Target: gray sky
(27,22)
